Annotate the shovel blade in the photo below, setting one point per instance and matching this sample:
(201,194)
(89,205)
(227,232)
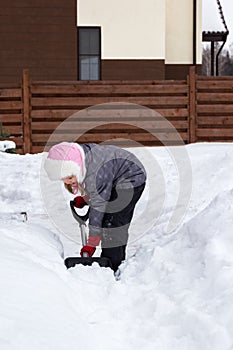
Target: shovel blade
(72,261)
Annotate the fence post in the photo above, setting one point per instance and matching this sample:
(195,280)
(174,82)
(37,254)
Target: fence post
(192,104)
(26,112)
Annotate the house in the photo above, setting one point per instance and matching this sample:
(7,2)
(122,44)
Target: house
(99,39)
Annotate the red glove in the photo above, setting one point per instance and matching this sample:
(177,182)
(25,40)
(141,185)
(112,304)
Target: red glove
(79,202)
(90,247)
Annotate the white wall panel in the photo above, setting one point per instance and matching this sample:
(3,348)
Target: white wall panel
(131,29)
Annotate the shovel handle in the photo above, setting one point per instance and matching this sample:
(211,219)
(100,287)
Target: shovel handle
(83,234)
(84,239)
(81,220)
(85,255)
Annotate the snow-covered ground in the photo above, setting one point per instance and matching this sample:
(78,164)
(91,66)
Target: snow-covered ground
(175,291)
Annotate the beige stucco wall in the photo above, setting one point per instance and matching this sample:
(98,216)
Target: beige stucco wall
(179,31)
(148,29)
(131,29)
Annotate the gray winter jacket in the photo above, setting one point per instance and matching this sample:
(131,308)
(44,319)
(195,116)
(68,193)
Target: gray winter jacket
(108,167)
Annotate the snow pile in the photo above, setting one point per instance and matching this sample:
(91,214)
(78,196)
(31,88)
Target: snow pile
(7,145)
(175,290)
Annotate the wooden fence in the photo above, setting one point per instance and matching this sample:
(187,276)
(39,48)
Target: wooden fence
(168,112)
(214,109)
(11,114)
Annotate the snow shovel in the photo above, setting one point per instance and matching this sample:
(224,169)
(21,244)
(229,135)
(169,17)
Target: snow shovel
(85,260)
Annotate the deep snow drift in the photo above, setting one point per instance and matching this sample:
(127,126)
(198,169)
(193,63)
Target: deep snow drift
(176,287)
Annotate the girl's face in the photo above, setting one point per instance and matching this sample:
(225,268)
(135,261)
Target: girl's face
(70,180)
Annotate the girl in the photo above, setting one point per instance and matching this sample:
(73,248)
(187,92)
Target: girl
(111,181)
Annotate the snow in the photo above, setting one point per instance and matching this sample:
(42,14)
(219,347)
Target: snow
(175,290)
(5,145)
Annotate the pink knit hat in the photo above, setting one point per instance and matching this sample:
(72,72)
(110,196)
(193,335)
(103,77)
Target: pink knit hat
(65,159)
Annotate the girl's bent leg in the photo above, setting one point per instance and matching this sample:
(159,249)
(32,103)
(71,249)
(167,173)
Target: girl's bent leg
(115,254)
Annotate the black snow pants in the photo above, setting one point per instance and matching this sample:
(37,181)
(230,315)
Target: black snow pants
(116,223)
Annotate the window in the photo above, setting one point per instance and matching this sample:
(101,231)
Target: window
(89,53)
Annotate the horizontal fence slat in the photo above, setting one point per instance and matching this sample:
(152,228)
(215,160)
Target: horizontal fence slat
(173,112)
(214,85)
(73,89)
(13,129)
(10,93)
(212,121)
(214,139)
(65,113)
(216,97)
(214,109)
(110,82)
(90,101)
(7,105)
(108,125)
(217,132)
(100,137)
(10,118)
